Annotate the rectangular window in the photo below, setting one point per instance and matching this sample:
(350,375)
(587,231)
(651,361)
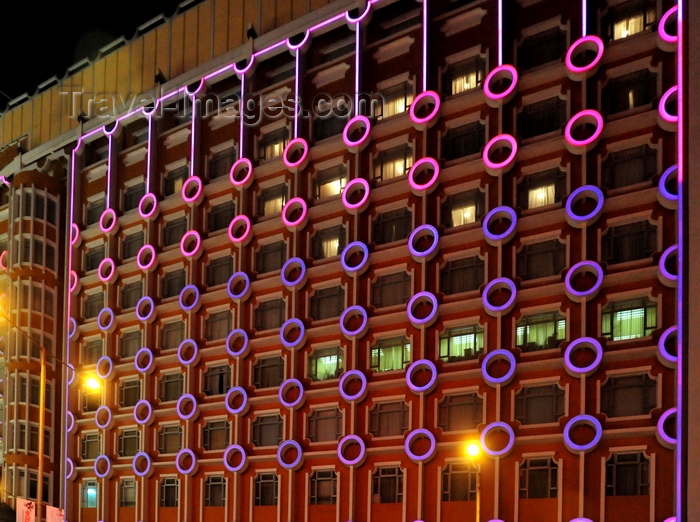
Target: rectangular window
(129,393)
(387,486)
(172,334)
(88,497)
(539,404)
(171,387)
(91,446)
(463,141)
(215,435)
(93,304)
(220,216)
(541,189)
(629,167)
(629,91)
(330,182)
(131,293)
(538,478)
(272,144)
(328,242)
(393,163)
(629,242)
(542,48)
(391,226)
(325,425)
(461,344)
(463,208)
(390,290)
(631,319)
(93,257)
(463,76)
(266,487)
(628,396)
(220,163)
(217,380)
(394,100)
(629,19)
(542,117)
(174,180)
(388,419)
(323,487)
(130,343)
(460,412)
(170,439)
(459,482)
(92,351)
(127,493)
(94,210)
(270,257)
(391,354)
(330,123)
(327,303)
(268,372)
(129,443)
(540,331)
(173,282)
(326,363)
(91,400)
(215,491)
(627,474)
(132,244)
(169,492)
(462,275)
(133,195)
(267,430)
(217,325)
(174,230)
(270,314)
(544,259)
(219,270)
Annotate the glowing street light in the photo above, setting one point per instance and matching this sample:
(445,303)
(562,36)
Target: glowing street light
(473,451)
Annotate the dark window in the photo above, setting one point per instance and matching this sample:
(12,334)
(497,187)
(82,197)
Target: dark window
(171,387)
(268,372)
(463,76)
(544,259)
(460,412)
(394,100)
(272,144)
(133,195)
(267,430)
(220,216)
(93,257)
(129,443)
(94,210)
(540,331)
(328,242)
(392,289)
(391,354)
(217,325)
(169,492)
(541,189)
(629,91)
(461,344)
(130,344)
(330,123)
(394,225)
(215,491)
(220,163)
(132,244)
(326,363)
(462,275)
(387,486)
(539,404)
(463,141)
(629,19)
(91,400)
(628,167)
(91,444)
(629,242)
(215,435)
(172,334)
(327,303)
(330,182)
(325,425)
(173,282)
(459,482)
(463,208)
(270,257)
(217,380)
(129,393)
(280,74)
(127,493)
(170,439)
(324,485)
(93,305)
(174,230)
(131,293)
(271,200)
(393,163)
(266,487)
(270,314)
(174,180)
(627,474)
(219,271)
(538,478)
(628,396)
(631,319)
(542,117)
(541,48)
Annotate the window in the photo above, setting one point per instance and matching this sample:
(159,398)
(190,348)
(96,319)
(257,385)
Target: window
(92,351)
(326,363)
(217,325)
(544,259)
(463,141)
(541,48)
(268,372)
(174,230)
(325,425)
(271,200)
(538,478)
(267,430)
(629,91)
(170,439)
(94,211)
(631,319)
(215,435)
(219,270)
(266,489)
(93,257)
(387,486)
(541,189)
(270,257)
(130,343)
(272,144)
(394,225)
(395,100)
(221,162)
(171,387)
(131,293)
(91,445)
(463,76)
(129,392)
(461,344)
(330,182)
(393,163)
(328,242)
(629,242)
(463,208)
(460,412)
(324,485)
(169,492)
(133,195)
(217,380)
(221,215)
(127,493)
(327,303)
(132,244)
(459,482)
(391,354)
(628,167)
(88,497)
(91,400)
(270,314)
(540,331)
(392,289)
(627,474)
(93,305)
(129,443)
(542,117)
(173,282)
(388,419)
(172,334)
(628,396)
(215,491)
(539,404)
(629,19)
(330,122)
(174,180)
(462,275)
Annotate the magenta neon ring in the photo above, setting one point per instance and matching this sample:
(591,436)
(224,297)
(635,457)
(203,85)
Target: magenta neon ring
(246,67)
(190,243)
(351,312)
(421,364)
(3,260)
(146,258)
(493,142)
(293,146)
(288,326)
(70,421)
(187,188)
(419,233)
(242,164)
(663,260)
(420,166)
(233,229)
(185,346)
(422,297)
(143,361)
(499,283)
(580,192)
(182,456)
(661,430)
(583,342)
(106,270)
(141,407)
(296,47)
(361,17)
(139,458)
(499,72)
(663,32)
(663,350)
(191,293)
(663,111)
(235,334)
(234,281)
(353,125)
(588,420)
(669,173)
(285,387)
(349,250)
(103,417)
(74,234)
(109,216)
(228,458)
(348,376)
(102,466)
(294,204)
(73,279)
(105,319)
(148,206)
(104,367)
(185,400)
(493,355)
(584,116)
(586,42)
(492,215)
(145,309)
(350,189)
(419,102)
(198,87)
(344,443)
(501,426)
(289,266)
(417,434)
(580,268)
(231,395)
(282,451)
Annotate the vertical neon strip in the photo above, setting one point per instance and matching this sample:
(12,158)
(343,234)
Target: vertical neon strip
(680,405)
(425,45)
(109,166)
(194,117)
(296,93)
(241,110)
(357,68)
(148,161)
(584,17)
(500,32)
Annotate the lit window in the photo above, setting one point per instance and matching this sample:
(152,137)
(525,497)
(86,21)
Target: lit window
(461,344)
(541,189)
(326,363)
(460,412)
(628,396)
(393,163)
(174,180)
(624,320)
(330,182)
(387,486)
(538,478)
(627,474)
(215,491)
(463,76)
(272,144)
(395,100)
(266,486)
(325,425)
(323,487)
(89,494)
(540,331)
(629,19)
(272,200)
(459,482)
(539,404)
(328,242)
(463,208)
(267,430)
(391,354)
(127,493)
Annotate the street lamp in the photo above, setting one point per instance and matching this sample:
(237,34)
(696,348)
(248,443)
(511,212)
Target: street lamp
(473,451)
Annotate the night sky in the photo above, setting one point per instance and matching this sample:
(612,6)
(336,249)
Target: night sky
(41,39)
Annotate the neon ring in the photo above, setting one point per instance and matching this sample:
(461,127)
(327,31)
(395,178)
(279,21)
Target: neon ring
(245,66)
(72,328)
(229,455)
(496,168)
(417,434)
(70,374)
(494,239)
(584,117)
(190,243)
(499,355)
(293,147)
(583,267)
(230,401)
(664,437)
(421,364)
(579,344)
(418,168)
(73,279)
(188,346)
(663,349)
(235,234)
(143,361)
(499,73)
(348,377)
(350,313)
(288,268)
(70,468)
(662,31)
(342,446)
(148,206)
(578,194)
(285,387)
(351,127)
(244,167)
(192,189)
(104,367)
(349,251)
(500,283)
(186,406)
(422,298)
(233,339)
(183,456)
(145,309)
(102,466)
(352,187)
(296,46)
(419,233)
(588,420)
(141,464)
(587,43)
(294,204)
(143,412)
(234,288)
(189,298)
(74,234)
(108,221)
(419,102)
(70,421)
(197,87)
(663,111)
(103,417)
(105,319)
(362,16)
(669,174)
(282,451)
(146,258)
(500,426)
(288,326)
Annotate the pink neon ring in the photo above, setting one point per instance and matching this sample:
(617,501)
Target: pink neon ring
(585,114)
(289,207)
(144,251)
(418,104)
(663,111)
(186,187)
(238,166)
(108,214)
(501,69)
(418,167)
(585,41)
(3,260)
(148,199)
(663,33)
(349,189)
(232,228)
(188,251)
(293,146)
(106,264)
(492,143)
(351,126)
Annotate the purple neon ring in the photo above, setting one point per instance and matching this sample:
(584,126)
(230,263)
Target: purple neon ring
(573,197)
(420,296)
(498,426)
(413,368)
(583,370)
(574,271)
(72,327)
(106,311)
(237,332)
(285,387)
(289,324)
(137,360)
(419,232)
(140,456)
(236,390)
(504,308)
(70,467)
(344,443)
(417,104)
(96,466)
(282,450)
(183,294)
(105,360)
(103,410)
(227,457)
(232,283)
(673,330)
(419,166)
(141,419)
(582,419)
(185,452)
(350,312)
(183,346)
(351,375)
(498,354)
(671,171)
(70,421)
(348,190)
(503,235)
(420,432)
(346,252)
(186,397)
(585,41)
(351,126)
(662,431)
(670,251)
(497,71)
(150,312)
(185,189)
(292,263)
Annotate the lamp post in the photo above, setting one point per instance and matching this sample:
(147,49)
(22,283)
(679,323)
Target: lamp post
(473,452)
